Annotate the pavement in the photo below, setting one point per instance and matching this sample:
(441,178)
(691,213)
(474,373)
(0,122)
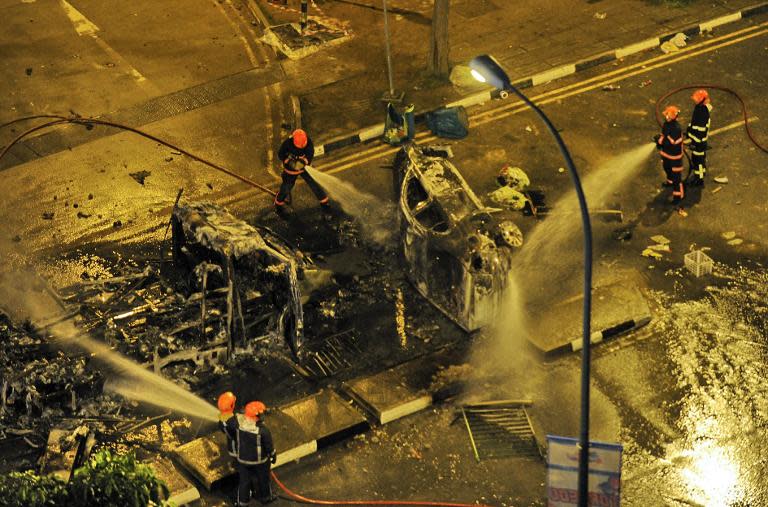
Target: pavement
(684,395)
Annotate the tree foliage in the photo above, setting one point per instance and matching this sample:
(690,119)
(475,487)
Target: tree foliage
(107,480)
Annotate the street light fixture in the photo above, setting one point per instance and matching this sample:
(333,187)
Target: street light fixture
(487,70)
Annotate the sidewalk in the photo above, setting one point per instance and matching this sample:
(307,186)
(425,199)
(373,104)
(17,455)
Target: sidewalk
(527,38)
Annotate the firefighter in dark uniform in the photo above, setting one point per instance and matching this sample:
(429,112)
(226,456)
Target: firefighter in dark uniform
(255,454)
(226,406)
(670,146)
(698,131)
(295,153)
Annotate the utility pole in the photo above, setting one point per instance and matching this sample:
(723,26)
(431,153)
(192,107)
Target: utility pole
(437,62)
(390,95)
(304,9)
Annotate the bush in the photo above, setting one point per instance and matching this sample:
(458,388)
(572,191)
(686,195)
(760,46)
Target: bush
(107,480)
(25,489)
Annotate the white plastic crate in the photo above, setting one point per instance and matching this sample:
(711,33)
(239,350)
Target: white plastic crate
(698,263)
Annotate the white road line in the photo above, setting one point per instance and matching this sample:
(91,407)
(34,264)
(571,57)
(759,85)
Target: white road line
(83,26)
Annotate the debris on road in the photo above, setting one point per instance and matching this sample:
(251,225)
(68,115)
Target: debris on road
(660,239)
(600,15)
(140,176)
(645,83)
(698,263)
(716,190)
(736,242)
(721,179)
(611,88)
(728,234)
(674,44)
(648,252)
(47,215)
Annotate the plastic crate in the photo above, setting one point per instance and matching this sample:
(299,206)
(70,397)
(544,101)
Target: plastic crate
(698,263)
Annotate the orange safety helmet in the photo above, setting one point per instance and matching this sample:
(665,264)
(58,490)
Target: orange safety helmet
(700,96)
(671,112)
(226,402)
(254,409)
(299,138)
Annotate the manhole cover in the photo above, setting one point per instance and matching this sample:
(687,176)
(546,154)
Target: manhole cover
(500,429)
(335,354)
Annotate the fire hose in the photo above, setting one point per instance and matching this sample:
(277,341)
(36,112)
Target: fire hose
(90,122)
(713,87)
(303,499)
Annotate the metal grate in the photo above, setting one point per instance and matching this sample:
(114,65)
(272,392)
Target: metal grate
(335,354)
(500,429)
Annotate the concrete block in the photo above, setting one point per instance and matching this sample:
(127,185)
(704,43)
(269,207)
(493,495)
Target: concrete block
(182,492)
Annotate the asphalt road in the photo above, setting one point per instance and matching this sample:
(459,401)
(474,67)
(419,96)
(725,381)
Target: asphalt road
(684,396)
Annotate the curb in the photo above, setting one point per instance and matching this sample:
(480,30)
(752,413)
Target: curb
(599,336)
(559,72)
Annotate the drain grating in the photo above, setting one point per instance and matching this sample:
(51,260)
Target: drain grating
(335,354)
(500,429)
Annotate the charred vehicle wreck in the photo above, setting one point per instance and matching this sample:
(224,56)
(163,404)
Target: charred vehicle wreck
(457,251)
(258,271)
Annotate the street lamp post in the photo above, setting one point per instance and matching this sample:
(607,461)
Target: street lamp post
(486,69)
(390,95)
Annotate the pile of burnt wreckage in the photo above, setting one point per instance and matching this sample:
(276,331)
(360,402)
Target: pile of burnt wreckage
(233,288)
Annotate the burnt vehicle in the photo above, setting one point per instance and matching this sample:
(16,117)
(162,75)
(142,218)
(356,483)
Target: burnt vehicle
(457,251)
(258,270)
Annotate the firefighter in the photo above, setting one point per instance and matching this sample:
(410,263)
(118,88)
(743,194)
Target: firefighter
(226,406)
(295,153)
(670,146)
(697,133)
(255,454)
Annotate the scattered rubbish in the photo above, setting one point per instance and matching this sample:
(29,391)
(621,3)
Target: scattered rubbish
(622,234)
(611,88)
(717,190)
(682,212)
(528,128)
(600,15)
(648,252)
(75,205)
(513,177)
(675,43)
(561,170)
(210,186)
(16,238)
(509,198)
(169,159)
(90,197)
(117,223)
(47,215)
(500,429)
(140,176)
(660,239)
(728,234)
(80,214)
(736,241)
(645,83)
(698,263)
(29,71)
(660,248)
(721,179)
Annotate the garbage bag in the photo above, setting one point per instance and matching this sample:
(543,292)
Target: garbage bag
(449,122)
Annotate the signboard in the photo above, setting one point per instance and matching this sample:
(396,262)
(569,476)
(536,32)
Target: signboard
(563,473)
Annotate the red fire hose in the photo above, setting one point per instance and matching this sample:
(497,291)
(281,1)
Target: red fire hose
(299,498)
(713,87)
(89,122)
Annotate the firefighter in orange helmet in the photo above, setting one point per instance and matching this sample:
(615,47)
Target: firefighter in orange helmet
(226,404)
(697,133)
(296,153)
(255,454)
(670,146)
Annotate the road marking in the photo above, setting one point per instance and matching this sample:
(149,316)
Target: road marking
(83,26)
(516,107)
(239,34)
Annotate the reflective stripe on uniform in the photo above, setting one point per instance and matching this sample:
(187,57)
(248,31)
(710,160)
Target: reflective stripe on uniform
(700,171)
(671,157)
(701,153)
(293,173)
(675,141)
